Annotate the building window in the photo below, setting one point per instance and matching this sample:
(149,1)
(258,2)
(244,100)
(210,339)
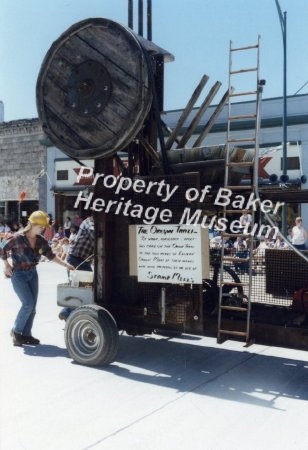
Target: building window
(2,209)
(62,175)
(292,163)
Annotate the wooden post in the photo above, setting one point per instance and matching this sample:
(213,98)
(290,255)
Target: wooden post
(103,240)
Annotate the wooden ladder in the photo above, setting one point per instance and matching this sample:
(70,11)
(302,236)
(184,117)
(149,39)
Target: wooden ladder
(226,308)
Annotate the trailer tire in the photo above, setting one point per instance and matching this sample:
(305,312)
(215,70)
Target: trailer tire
(91,336)
(211,291)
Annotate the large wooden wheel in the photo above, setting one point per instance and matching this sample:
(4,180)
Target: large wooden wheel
(93,91)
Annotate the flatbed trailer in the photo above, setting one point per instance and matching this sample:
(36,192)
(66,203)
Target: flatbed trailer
(100,92)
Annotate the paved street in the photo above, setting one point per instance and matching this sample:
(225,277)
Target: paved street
(159,394)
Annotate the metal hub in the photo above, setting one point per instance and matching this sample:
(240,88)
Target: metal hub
(89,88)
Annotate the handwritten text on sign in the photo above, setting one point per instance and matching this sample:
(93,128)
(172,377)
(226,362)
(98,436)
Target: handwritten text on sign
(169,253)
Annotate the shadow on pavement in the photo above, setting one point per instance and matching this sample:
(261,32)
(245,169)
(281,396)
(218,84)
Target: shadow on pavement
(231,375)
(189,367)
(50,351)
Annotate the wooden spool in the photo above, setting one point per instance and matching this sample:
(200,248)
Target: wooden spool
(93,91)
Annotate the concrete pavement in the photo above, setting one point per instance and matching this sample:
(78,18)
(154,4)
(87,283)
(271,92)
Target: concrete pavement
(182,393)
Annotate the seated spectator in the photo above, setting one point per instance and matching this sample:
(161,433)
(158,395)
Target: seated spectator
(245,221)
(5,232)
(213,232)
(259,252)
(15,227)
(73,234)
(229,244)
(239,242)
(56,245)
(271,238)
(63,248)
(216,242)
(7,228)
(60,233)
(242,253)
(281,243)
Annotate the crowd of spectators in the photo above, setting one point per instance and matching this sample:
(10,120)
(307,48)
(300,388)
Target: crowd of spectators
(7,229)
(59,237)
(238,248)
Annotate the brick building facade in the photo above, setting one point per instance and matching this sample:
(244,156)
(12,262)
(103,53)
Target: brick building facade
(22,169)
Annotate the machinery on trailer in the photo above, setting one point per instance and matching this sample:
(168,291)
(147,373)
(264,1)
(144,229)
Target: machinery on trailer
(100,92)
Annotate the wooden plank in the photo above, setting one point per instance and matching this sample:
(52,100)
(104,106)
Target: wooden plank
(197,165)
(208,126)
(186,111)
(206,103)
(151,151)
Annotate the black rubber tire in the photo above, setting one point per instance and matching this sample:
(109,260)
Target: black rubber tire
(91,336)
(211,291)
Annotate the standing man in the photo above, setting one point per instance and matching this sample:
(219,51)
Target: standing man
(81,253)
(299,234)
(77,221)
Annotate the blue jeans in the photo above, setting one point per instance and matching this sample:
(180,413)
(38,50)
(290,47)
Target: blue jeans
(78,262)
(25,284)
(300,246)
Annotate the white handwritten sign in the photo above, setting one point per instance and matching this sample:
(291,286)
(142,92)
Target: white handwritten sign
(169,254)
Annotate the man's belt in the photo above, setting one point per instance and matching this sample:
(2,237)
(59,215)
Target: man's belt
(24,266)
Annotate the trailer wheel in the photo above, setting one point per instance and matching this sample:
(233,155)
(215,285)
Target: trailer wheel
(233,295)
(91,336)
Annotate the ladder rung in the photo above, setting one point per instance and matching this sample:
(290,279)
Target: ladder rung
(237,94)
(252,69)
(242,140)
(235,234)
(248,47)
(233,308)
(235,258)
(237,211)
(242,187)
(244,116)
(233,283)
(234,333)
(240,164)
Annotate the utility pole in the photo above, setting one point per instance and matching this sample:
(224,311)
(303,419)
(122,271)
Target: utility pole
(284,178)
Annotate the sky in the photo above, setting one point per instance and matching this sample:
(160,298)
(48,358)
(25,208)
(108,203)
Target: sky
(196,32)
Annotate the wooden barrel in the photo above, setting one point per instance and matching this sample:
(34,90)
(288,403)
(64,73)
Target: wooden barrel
(93,91)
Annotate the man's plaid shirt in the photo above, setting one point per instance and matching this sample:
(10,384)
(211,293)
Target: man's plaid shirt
(83,247)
